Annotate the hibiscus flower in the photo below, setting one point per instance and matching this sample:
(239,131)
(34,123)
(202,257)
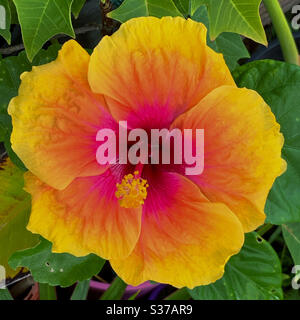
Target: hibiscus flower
(152,222)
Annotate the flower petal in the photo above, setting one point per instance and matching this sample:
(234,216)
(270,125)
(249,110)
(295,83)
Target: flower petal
(151,70)
(56,117)
(85,217)
(242,151)
(185,240)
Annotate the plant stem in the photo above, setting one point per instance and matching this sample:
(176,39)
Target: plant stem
(115,291)
(283,31)
(47,292)
(264,229)
(81,290)
(99,278)
(275,235)
(283,253)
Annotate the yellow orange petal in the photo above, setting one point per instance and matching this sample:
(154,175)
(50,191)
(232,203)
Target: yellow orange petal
(184,243)
(84,218)
(152,70)
(55,118)
(242,151)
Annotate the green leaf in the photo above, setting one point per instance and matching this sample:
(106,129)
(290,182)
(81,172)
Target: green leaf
(278,83)
(5,295)
(143,8)
(229,44)
(195,4)
(5,20)
(14,215)
(61,269)
(10,70)
(253,274)
(77,6)
(47,292)
(183,6)
(40,20)
(13,12)
(115,290)
(239,16)
(81,290)
(291,234)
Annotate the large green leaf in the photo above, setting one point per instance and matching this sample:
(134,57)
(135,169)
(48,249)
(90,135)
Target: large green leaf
(61,269)
(239,16)
(40,20)
(253,274)
(10,70)
(227,43)
(143,8)
(5,20)
(14,215)
(291,234)
(278,83)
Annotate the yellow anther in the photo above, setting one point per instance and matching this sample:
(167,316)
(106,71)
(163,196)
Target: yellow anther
(132,191)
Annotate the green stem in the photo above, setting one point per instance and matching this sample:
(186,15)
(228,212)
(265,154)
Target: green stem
(275,235)
(283,253)
(47,292)
(264,229)
(81,290)
(115,290)
(283,31)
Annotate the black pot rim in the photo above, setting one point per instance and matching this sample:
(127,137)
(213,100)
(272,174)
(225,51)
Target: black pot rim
(262,51)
